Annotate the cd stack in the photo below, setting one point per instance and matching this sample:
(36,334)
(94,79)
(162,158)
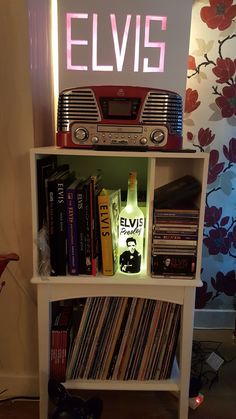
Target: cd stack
(175,230)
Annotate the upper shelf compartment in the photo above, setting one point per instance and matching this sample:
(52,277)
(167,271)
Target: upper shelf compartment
(154,169)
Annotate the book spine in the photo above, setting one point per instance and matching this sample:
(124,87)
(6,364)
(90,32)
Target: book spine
(72,231)
(92,226)
(81,229)
(61,249)
(105,235)
(52,224)
(45,167)
(87,223)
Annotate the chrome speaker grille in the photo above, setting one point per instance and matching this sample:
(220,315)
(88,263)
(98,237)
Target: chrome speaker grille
(163,108)
(76,105)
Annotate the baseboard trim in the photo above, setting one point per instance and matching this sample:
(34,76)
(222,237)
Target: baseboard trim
(17,386)
(214,319)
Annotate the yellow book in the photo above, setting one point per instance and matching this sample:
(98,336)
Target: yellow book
(109,204)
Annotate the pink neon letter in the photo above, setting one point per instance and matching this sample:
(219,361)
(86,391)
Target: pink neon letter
(137,43)
(69,17)
(120,52)
(161,45)
(96,67)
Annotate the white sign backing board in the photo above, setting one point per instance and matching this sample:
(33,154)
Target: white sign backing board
(128,43)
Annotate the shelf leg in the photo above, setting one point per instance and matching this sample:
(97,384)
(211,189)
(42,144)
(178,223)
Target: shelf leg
(44,342)
(186,337)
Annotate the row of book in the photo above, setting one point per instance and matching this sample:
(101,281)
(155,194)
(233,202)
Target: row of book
(80,218)
(175,229)
(124,338)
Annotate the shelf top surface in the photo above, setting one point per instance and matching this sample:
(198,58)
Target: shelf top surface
(116,153)
(116,280)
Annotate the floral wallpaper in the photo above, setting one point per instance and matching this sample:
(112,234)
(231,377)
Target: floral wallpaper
(210,126)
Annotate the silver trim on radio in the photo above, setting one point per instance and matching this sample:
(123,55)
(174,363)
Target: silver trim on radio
(91,134)
(120,128)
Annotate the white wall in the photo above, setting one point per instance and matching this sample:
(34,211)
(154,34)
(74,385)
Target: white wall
(18,311)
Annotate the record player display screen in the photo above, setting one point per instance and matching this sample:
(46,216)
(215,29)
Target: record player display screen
(120,108)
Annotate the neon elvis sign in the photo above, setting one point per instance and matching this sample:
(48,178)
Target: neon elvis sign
(159,23)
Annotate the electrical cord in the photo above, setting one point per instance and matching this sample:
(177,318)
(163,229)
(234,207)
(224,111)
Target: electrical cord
(20,398)
(199,368)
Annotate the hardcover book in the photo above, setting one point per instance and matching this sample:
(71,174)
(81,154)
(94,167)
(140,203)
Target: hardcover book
(60,243)
(96,187)
(81,226)
(51,195)
(109,205)
(88,223)
(45,167)
(72,227)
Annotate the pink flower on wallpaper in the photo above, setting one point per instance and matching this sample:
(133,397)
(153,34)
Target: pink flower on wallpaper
(191,63)
(189,136)
(225,283)
(191,100)
(227,101)
(205,137)
(215,168)
(225,69)
(232,236)
(212,216)
(202,296)
(230,153)
(217,241)
(219,14)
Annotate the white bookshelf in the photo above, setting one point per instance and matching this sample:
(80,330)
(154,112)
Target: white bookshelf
(157,168)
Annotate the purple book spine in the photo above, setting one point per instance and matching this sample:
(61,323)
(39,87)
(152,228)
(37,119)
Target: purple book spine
(72,231)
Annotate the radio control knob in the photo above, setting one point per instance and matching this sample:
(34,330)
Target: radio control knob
(81,134)
(143,141)
(95,140)
(157,136)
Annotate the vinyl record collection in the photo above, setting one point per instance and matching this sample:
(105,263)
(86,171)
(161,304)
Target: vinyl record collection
(119,338)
